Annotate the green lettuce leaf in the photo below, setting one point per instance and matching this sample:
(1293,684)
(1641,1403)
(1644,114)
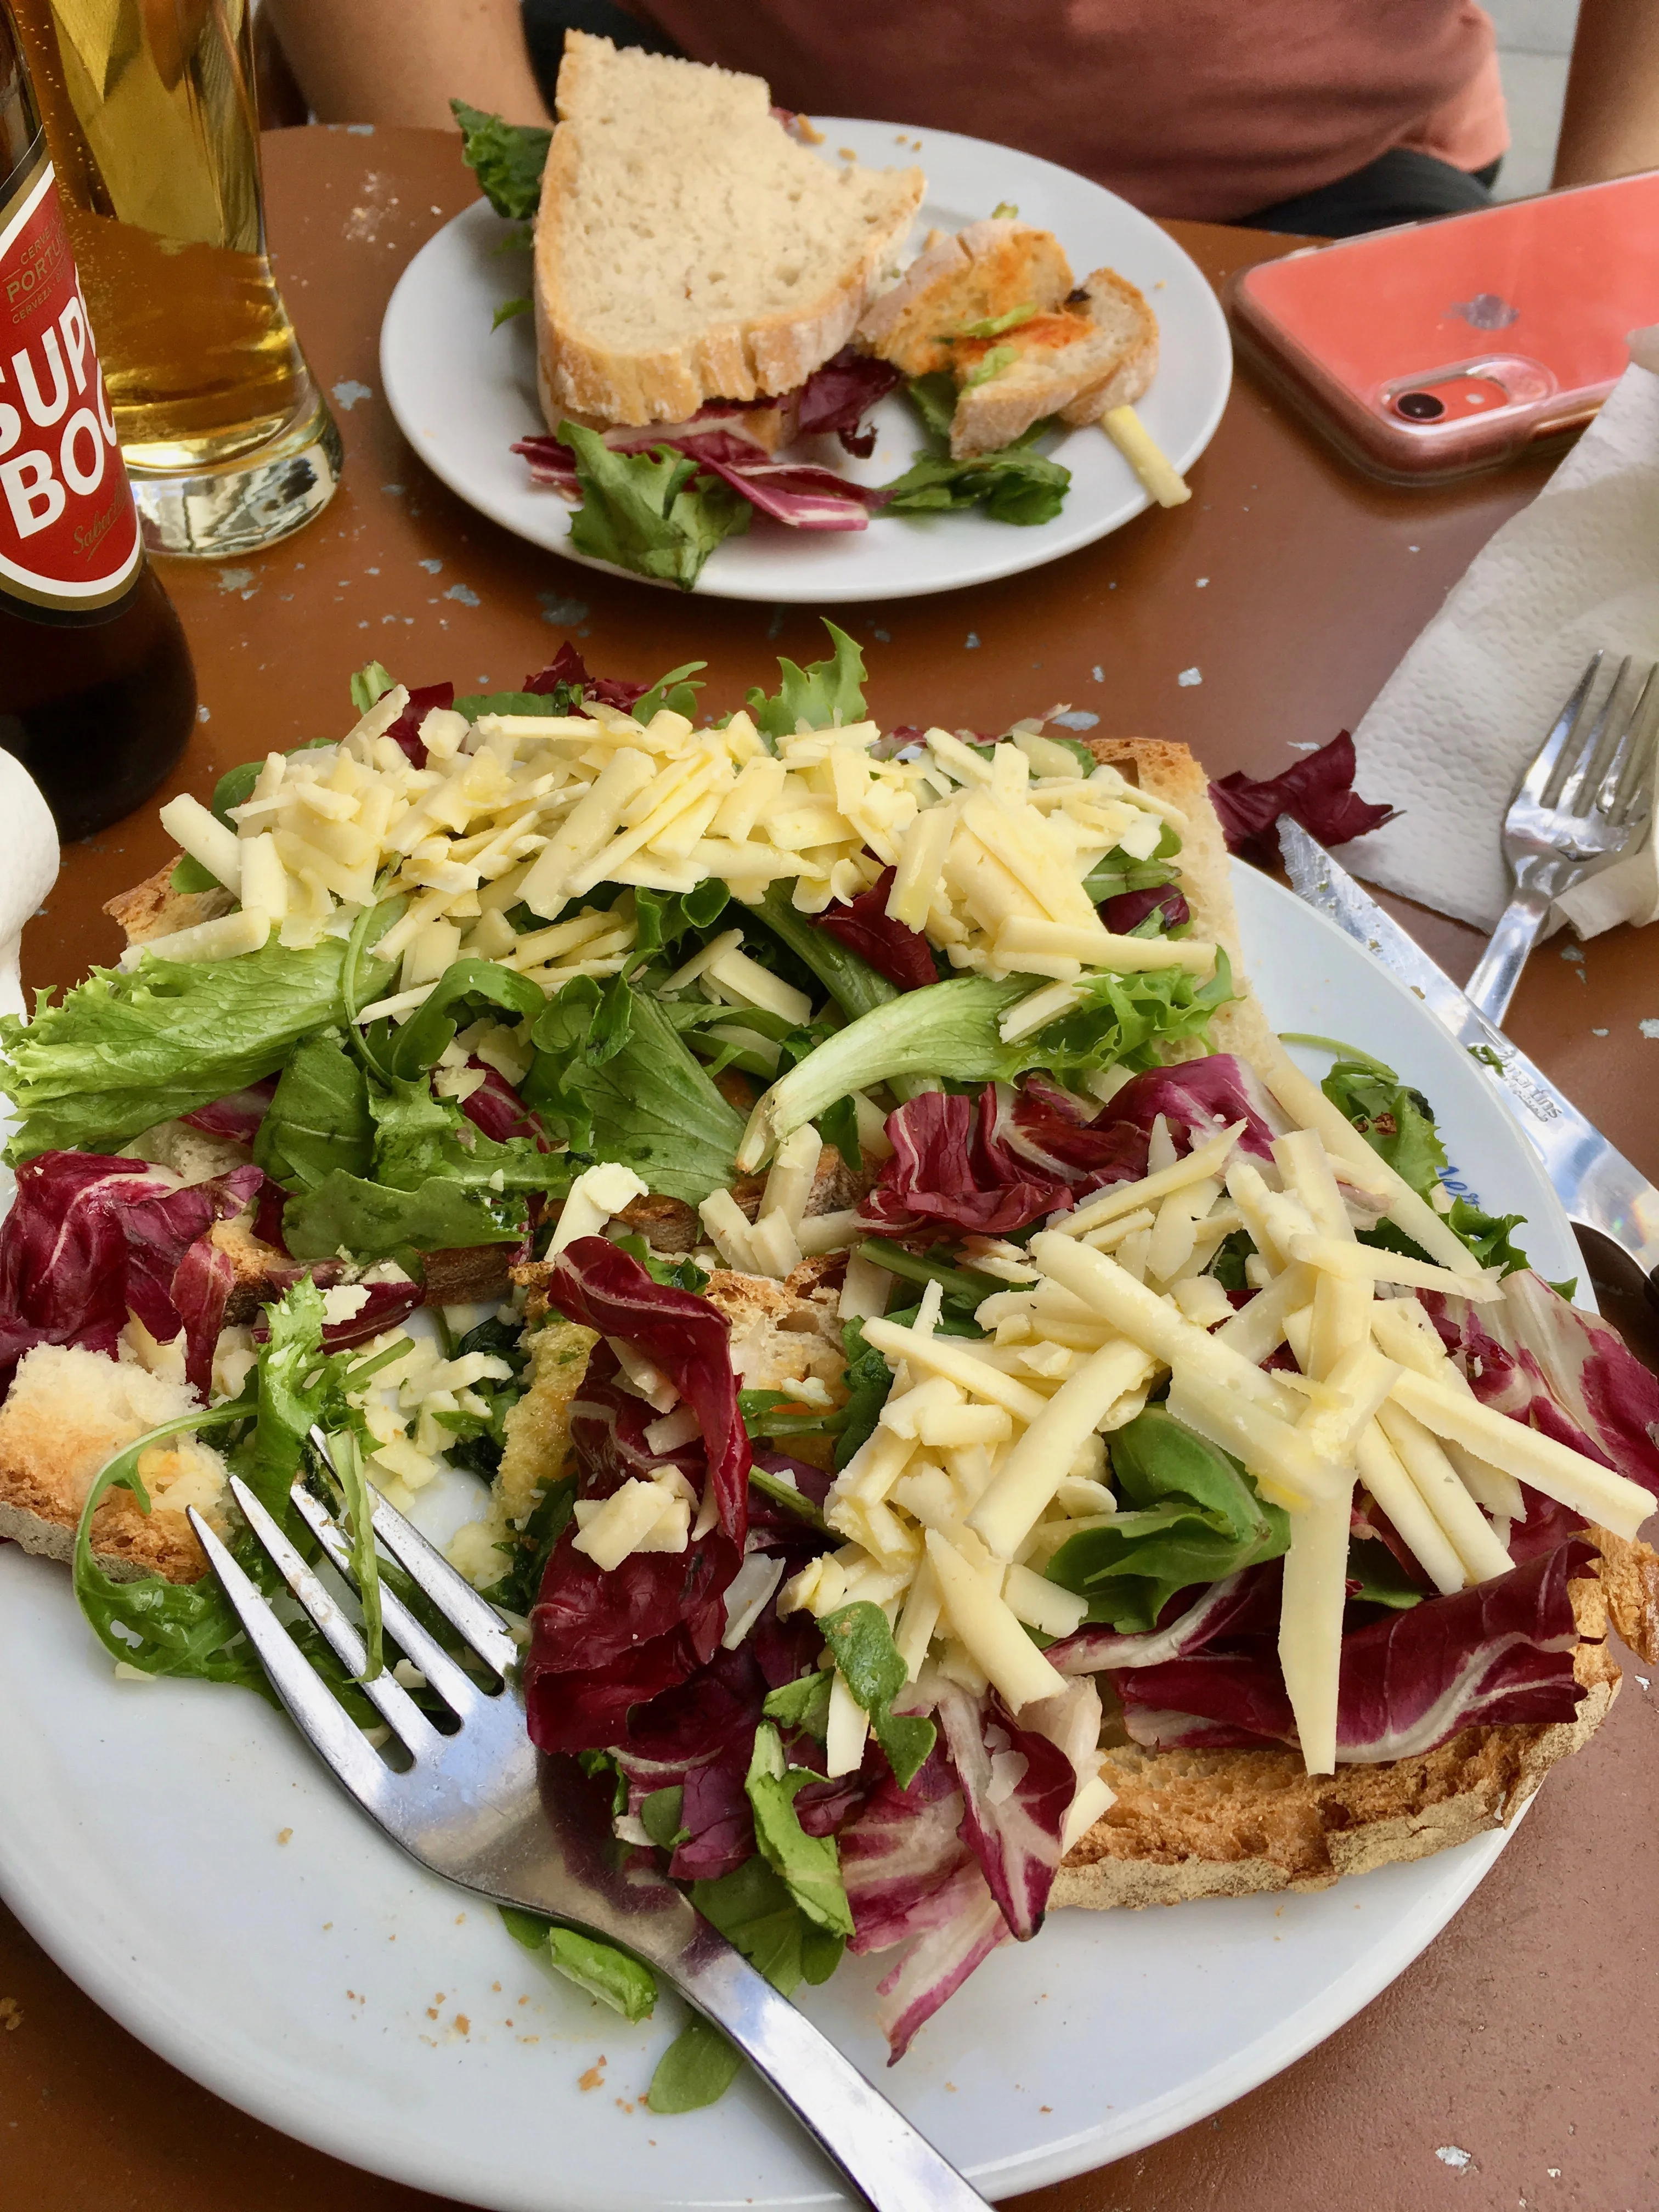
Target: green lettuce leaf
(803,1703)
(368,1221)
(1189,1514)
(651,513)
(466,989)
(614,1077)
(1013,484)
(418,1137)
(950,1029)
(1376,1577)
(856,987)
(372,681)
(829,694)
(869,1379)
(624,1983)
(319,1119)
(676,691)
(1395,1120)
(190,875)
(506,158)
(121,1052)
(697,2068)
(868,1661)
(808,1866)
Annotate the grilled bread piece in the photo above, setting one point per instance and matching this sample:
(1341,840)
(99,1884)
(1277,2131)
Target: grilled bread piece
(1099,350)
(688,248)
(992,269)
(1119,311)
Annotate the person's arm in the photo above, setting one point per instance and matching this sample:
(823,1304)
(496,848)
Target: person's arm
(401,61)
(1611,124)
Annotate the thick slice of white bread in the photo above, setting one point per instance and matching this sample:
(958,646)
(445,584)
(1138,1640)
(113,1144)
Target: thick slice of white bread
(991,268)
(1120,313)
(68,1412)
(688,248)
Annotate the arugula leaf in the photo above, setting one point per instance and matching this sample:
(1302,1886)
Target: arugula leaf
(963,1286)
(697,2068)
(1190,1514)
(348,1214)
(466,989)
(625,1984)
(808,1865)
(1013,484)
(934,399)
(121,1052)
(614,1077)
(752,1908)
(869,1379)
(838,1125)
(868,1662)
(1487,1235)
(676,691)
(417,1137)
(1395,1119)
(785,1495)
(189,875)
(510,309)
(1228,1265)
(659,1816)
(856,987)
(318,1119)
(346,1461)
(294,1381)
(372,681)
(950,1029)
(532,1547)
(1381,1578)
(162,1627)
(803,1703)
(653,512)
(757,1410)
(830,694)
(506,158)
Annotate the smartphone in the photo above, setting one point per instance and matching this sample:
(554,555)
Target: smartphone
(1439,349)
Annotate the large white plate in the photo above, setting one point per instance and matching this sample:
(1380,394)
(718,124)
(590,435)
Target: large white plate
(316,1982)
(462,392)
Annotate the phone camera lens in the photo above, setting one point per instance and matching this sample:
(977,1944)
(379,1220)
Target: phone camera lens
(1419,406)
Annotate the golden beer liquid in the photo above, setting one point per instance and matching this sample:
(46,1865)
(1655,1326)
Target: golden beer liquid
(148,109)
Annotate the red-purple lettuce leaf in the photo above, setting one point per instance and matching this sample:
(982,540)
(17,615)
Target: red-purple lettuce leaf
(567,666)
(837,397)
(496,1108)
(238,1117)
(892,949)
(405,732)
(1317,790)
(1125,914)
(1016,1788)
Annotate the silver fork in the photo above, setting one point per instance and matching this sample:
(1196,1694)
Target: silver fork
(1584,803)
(482,1808)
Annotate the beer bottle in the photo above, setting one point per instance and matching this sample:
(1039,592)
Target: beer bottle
(97,692)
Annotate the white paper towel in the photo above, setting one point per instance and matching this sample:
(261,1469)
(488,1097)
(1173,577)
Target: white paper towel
(28,868)
(1452,730)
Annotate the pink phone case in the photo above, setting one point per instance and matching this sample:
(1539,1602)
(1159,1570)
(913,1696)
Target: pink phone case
(1439,349)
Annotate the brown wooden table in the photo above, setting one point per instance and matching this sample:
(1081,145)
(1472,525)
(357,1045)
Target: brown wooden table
(1520,2038)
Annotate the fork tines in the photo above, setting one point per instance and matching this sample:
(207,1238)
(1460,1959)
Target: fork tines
(311,1702)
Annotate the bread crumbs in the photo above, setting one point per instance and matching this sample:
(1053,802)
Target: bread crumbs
(594,2077)
(461,2024)
(284,1835)
(11,2014)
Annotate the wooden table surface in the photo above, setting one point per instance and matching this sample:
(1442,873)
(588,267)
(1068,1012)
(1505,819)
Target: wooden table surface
(1510,2067)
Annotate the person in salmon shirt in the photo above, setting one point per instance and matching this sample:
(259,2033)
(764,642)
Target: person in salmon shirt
(1330,116)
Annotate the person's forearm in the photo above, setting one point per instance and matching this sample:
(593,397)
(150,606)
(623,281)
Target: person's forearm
(1611,123)
(402,61)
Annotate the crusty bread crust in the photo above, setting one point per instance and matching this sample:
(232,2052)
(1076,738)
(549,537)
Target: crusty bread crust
(734,357)
(1121,312)
(990,269)
(154,908)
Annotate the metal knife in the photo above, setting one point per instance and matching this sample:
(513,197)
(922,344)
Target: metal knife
(1597,1185)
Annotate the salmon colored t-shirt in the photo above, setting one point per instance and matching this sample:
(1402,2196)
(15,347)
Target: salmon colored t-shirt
(1201,108)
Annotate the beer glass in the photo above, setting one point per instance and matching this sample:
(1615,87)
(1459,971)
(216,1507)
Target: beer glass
(148,107)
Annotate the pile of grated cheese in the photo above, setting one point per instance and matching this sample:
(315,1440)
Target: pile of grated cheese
(989,1453)
(989,854)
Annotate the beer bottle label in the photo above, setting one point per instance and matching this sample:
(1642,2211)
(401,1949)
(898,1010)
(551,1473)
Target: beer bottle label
(69,530)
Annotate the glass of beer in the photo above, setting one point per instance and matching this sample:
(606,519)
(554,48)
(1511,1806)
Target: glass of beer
(150,112)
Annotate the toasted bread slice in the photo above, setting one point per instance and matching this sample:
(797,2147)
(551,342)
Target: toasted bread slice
(1189,1824)
(66,1415)
(1029,373)
(990,270)
(688,248)
(1121,315)
(154,908)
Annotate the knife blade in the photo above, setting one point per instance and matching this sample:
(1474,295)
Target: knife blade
(1596,1184)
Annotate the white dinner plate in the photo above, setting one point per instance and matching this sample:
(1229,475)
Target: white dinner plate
(462,392)
(183,1858)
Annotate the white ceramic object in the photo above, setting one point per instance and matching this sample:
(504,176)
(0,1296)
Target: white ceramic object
(182,1857)
(462,392)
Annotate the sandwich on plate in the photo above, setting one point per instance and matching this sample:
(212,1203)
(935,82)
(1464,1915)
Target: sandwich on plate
(964,1425)
(715,300)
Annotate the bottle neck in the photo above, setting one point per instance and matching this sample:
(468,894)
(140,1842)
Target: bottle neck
(20,123)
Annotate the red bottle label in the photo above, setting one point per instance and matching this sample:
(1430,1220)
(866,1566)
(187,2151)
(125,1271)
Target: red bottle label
(69,530)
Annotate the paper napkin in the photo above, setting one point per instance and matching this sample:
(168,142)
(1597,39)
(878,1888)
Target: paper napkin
(29,869)
(1451,732)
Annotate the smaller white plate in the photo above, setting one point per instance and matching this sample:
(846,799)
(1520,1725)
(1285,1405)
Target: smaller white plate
(462,392)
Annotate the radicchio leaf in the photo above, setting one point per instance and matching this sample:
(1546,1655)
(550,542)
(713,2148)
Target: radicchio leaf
(949,1176)
(567,667)
(838,396)
(799,494)
(1016,1789)
(238,1117)
(892,949)
(687,1339)
(496,1108)
(1317,790)
(405,732)
(1125,914)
